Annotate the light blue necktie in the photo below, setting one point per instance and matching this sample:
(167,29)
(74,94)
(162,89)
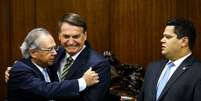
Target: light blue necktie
(46,76)
(164,79)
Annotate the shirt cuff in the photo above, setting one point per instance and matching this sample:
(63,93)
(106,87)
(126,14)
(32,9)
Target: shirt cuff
(82,84)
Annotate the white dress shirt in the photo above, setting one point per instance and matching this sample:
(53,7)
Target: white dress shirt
(173,69)
(44,72)
(81,81)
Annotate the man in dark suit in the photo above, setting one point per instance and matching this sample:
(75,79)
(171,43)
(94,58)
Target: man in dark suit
(178,78)
(73,38)
(30,80)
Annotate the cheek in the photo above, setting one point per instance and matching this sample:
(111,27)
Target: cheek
(62,41)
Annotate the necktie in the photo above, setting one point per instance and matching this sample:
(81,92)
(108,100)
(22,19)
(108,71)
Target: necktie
(65,70)
(46,76)
(164,79)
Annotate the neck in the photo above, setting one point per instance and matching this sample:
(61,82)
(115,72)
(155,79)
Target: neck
(38,63)
(180,55)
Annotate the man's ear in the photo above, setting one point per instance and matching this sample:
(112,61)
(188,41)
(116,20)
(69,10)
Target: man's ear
(185,42)
(32,52)
(85,33)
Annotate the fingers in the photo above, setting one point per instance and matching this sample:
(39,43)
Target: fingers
(91,77)
(96,79)
(90,68)
(7,73)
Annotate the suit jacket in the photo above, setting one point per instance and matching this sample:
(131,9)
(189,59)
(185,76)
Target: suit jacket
(87,58)
(184,85)
(27,83)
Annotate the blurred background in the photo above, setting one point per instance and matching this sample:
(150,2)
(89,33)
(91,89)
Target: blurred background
(131,29)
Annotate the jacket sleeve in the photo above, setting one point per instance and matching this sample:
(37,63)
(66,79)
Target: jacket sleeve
(26,80)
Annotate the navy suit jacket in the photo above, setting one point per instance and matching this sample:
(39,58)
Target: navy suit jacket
(27,83)
(184,85)
(87,58)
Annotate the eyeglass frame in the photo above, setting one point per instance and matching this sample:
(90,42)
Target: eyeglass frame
(50,50)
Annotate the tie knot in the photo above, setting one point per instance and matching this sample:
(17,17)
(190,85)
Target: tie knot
(170,64)
(69,60)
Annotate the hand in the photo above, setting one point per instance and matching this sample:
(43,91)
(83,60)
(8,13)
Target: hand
(91,77)
(7,74)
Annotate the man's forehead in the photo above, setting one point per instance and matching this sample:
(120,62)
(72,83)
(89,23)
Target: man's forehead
(170,29)
(46,41)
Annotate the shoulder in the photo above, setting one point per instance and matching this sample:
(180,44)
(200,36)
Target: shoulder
(60,54)
(155,66)
(60,51)
(96,56)
(22,65)
(157,63)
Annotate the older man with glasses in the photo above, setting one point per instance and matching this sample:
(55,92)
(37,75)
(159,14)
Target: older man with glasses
(30,80)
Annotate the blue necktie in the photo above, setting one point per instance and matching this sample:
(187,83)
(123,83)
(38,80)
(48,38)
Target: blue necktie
(164,79)
(46,76)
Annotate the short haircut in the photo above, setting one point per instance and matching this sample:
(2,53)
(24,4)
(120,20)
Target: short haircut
(32,41)
(72,19)
(184,28)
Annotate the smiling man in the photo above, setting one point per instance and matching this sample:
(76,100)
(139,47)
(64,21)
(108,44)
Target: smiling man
(75,57)
(73,38)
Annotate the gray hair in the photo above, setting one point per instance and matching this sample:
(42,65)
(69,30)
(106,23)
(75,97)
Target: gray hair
(32,41)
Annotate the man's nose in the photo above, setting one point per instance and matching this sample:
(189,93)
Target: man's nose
(54,52)
(162,40)
(71,41)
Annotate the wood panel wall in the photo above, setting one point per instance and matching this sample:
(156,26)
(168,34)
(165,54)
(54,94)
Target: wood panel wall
(132,29)
(137,27)
(4,43)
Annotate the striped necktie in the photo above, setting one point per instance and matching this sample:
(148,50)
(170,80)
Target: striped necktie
(164,79)
(66,68)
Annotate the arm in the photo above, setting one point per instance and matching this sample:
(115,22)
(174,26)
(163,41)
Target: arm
(197,91)
(27,81)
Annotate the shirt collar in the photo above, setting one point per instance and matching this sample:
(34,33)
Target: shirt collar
(39,67)
(180,60)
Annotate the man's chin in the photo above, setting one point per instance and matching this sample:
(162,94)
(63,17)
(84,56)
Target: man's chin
(163,52)
(72,52)
(50,63)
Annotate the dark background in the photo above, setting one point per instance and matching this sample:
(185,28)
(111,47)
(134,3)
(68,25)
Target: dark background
(131,29)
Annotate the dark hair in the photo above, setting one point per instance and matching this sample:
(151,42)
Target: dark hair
(184,28)
(73,19)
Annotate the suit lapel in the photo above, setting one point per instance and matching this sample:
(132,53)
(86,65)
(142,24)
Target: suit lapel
(79,63)
(156,78)
(185,65)
(32,66)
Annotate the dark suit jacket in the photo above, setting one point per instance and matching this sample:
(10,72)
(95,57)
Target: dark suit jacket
(184,85)
(87,58)
(27,83)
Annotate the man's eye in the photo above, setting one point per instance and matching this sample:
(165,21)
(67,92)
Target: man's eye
(76,36)
(66,36)
(168,37)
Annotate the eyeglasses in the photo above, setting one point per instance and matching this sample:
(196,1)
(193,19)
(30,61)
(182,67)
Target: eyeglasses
(52,49)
